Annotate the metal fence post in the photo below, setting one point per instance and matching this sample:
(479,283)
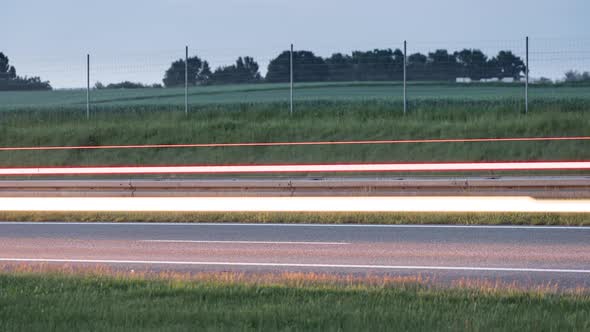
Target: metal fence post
(87,86)
(291,85)
(186,80)
(526,83)
(405,78)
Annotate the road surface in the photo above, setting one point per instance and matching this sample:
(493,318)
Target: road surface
(526,255)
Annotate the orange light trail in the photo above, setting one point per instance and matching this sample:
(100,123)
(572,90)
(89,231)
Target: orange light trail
(302,168)
(270,144)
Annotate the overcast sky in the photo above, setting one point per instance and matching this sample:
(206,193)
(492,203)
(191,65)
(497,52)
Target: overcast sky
(136,39)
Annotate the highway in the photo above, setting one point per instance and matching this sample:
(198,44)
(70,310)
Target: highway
(522,254)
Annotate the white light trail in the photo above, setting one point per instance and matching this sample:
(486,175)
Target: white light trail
(301,168)
(294,204)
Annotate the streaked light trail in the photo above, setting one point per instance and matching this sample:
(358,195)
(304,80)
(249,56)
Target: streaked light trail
(293,204)
(301,168)
(270,144)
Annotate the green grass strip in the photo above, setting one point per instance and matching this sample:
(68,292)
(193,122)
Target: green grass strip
(54,302)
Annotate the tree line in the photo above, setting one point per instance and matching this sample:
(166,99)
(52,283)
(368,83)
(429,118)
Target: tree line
(10,81)
(375,65)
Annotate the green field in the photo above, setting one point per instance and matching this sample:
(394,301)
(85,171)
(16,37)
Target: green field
(264,93)
(56,302)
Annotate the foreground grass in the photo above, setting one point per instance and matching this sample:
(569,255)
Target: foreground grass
(572,219)
(313,121)
(48,302)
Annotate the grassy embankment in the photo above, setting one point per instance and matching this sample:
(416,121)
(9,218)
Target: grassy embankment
(56,301)
(313,121)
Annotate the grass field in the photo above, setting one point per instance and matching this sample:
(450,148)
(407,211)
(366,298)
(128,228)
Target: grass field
(58,302)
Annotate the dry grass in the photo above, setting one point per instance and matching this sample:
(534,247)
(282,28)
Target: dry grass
(570,219)
(290,279)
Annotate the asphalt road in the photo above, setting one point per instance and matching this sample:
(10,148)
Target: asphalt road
(525,255)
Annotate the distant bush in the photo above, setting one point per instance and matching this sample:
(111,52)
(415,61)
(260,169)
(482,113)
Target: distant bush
(544,81)
(127,85)
(24,84)
(573,76)
(246,70)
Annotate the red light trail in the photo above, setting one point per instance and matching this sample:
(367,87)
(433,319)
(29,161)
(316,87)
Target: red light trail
(271,144)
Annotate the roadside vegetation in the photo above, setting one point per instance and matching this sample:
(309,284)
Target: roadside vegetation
(57,301)
(313,121)
(433,218)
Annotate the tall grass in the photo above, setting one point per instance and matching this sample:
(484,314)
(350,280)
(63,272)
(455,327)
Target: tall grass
(313,120)
(54,302)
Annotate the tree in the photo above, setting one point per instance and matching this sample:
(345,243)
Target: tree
(473,64)
(307,67)
(205,73)
(340,67)
(507,65)
(198,72)
(417,67)
(6,70)
(9,80)
(378,65)
(573,76)
(246,70)
(443,66)
(12,73)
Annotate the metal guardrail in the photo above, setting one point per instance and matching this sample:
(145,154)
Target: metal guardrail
(539,187)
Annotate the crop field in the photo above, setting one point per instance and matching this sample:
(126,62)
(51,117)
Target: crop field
(261,93)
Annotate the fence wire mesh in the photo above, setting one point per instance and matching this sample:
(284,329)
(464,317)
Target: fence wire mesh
(455,89)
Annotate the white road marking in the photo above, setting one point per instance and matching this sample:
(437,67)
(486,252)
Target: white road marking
(247,242)
(303,265)
(197,224)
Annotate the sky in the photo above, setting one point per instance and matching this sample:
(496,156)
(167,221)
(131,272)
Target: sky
(137,40)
